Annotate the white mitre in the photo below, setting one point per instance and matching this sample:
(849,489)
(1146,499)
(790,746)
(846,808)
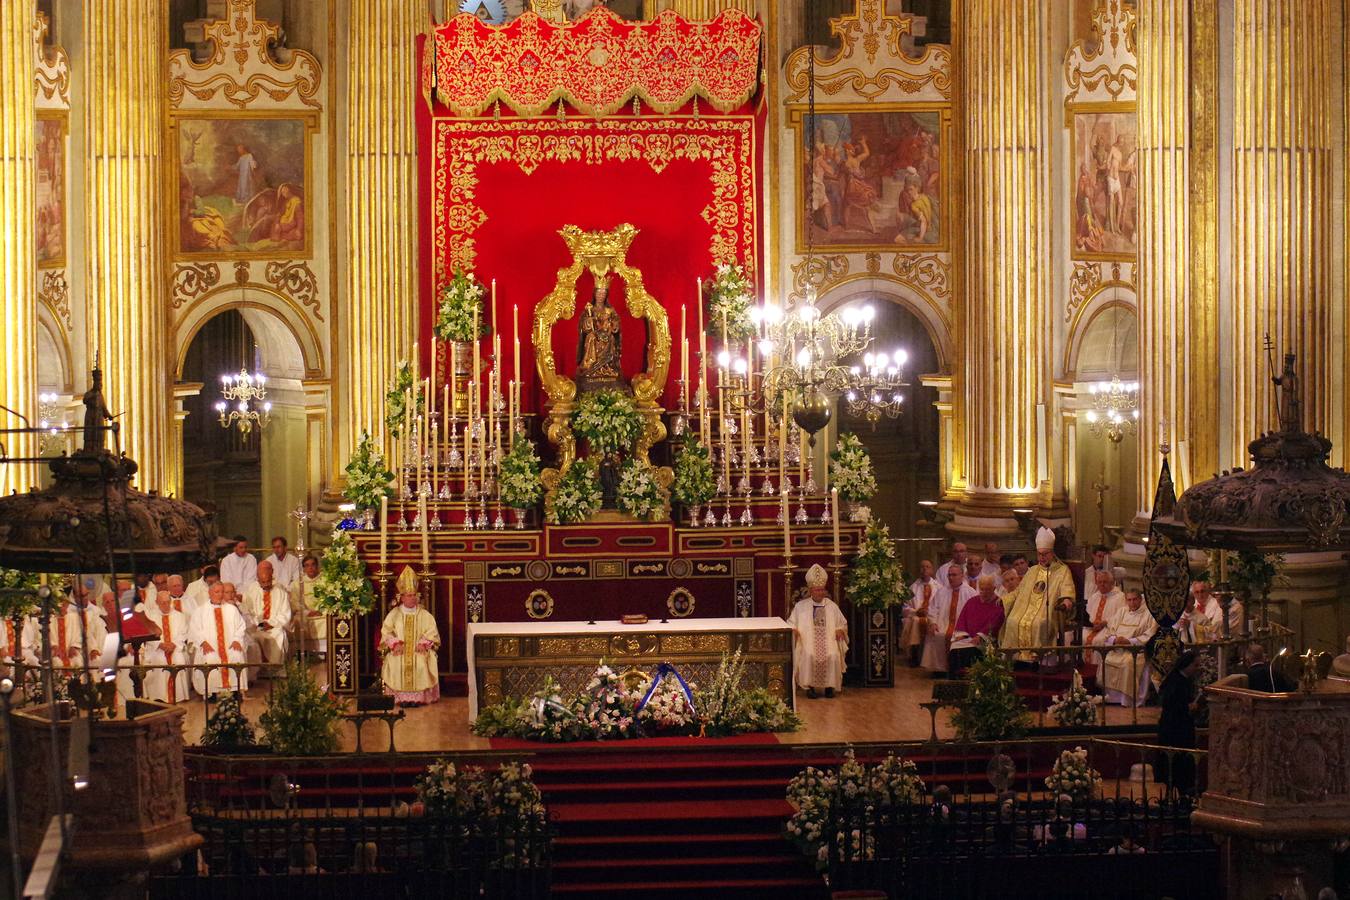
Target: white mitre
(1045,539)
(816,576)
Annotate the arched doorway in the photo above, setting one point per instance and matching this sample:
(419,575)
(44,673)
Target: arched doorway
(253,479)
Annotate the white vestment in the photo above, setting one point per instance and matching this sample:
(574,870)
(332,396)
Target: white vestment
(220,626)
(1125,674)
(173,629)
(285,570)
(921,595)
(993,571)
(818,653)
(941,577)
(316,625)
(1101,608)
(240,571)
(1202,626)
(942,618)
(273,607)
(65,637)
(197,595)
(410,674)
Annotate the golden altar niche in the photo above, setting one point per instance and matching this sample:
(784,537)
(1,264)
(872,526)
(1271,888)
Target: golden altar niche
(603,254)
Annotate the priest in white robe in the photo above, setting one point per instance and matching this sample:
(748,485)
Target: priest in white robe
(64,630)
(1202,622)
(409,640)
(947,606)
(176,590)
(315,622)
(1124,674)
(958,560)
(914,614)
(269,606)
(197,593)
(1106,597)
(239,567)
(285,565)
(170,649)
(819,638)
(218,632)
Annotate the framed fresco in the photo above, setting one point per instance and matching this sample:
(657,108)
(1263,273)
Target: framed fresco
(51,132)
(1103,147)
(880,180)
(242,185)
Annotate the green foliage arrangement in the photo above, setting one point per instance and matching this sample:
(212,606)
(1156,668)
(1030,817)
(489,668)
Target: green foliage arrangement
(640,494)
(730,296)
(342,588)
(396,399)
(876,580)
(579,495)
(519,479)
(455,313)
(228,728)
(991,709)
(851,470)
(1252,575)
(301,718)
(368,477)
(729,708)
(608,420)
(695,484)
(18,593)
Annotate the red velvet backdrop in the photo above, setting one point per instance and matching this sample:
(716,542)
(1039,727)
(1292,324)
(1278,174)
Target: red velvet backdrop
(496,191)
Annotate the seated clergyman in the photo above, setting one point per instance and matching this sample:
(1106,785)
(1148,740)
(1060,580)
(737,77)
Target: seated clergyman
(1124,673)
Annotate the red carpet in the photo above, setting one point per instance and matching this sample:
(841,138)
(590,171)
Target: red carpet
(740,740)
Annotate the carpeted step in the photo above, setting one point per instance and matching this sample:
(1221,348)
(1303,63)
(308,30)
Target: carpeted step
(725,868)
(800,888)
(688,789)
(668,846)
(682,817)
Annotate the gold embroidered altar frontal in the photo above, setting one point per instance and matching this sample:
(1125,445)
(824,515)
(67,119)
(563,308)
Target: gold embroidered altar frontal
(512,659)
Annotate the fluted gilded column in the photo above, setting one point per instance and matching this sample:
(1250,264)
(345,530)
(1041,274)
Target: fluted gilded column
(1177,271)
(124,63)
(379,302)
(18,182)
(1283,202)
(1006,342)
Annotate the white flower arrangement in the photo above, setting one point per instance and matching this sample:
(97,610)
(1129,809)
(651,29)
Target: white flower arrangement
(1075,707)
(668,709)
(228,728)
(609,420)
(730,296)
(396,412)
(640,494)
(1072,775)
(876,580)
(519,478)
(342,588)
(896,782)
(455,313)
(607,706)
(851,470)
(368,477)
(578,496)
(446,789)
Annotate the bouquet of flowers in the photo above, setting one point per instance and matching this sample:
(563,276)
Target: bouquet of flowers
(762,711)
(18,593)
(578,495)
(811,794)
(668,710)
(607,706)
(896,782)
(342,588)
(448,790)
(512,796)
(730,295)
(608,419)
(396,413)
(228,728)
(1072,775)
(1075,707)
(723,704)
(876,580)
(640,494)
(368,480)
(519,479)
(301,717)
(851,470)
(694,483)
(460,299)
(550,718)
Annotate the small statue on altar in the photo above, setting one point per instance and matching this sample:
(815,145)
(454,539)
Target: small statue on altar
(599,339)
(1290,405)
(95,413)
(409,640)
(819,638)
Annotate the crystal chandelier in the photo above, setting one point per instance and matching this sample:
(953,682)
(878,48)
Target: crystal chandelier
(53,422)
(1115,409)
(874,389)
(245,402)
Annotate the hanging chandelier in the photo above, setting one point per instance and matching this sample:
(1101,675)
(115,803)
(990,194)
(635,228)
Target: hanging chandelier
(874,389)
(1115,409)
(245,404)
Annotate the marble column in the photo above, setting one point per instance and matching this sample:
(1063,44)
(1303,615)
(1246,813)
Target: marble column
(124,63)
(1007,348)
(18,185)
(1283,207)
(378,305)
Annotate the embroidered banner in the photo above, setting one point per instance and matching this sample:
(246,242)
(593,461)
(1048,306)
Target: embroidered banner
(597,64)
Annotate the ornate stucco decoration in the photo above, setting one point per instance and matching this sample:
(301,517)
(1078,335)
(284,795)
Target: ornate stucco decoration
(242,69)
(53,69)
(1104,69)
(872,63)
(1090,278)
(54,292)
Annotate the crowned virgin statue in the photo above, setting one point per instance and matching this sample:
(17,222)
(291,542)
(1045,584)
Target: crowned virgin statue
(599,341)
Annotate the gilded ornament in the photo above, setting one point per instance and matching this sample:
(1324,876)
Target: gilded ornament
(297,281)
(55,294)
(1107,64)
(192,280)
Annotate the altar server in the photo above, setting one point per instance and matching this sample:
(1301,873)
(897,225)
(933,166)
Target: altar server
(269,606)
(1125,674)
(239,567)
(1045,596)
(820,638)
(219,633)
(170,649)
(409,639)
(915,611)
(947,606)
(285,566)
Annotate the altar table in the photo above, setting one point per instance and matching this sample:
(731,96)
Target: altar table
(512,659)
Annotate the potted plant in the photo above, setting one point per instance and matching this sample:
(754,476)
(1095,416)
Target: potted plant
(301,718)
(368,480)
(694,483)
(851,473)
(519,482)
(876,586)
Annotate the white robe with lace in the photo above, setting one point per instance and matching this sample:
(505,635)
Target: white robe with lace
(818,652)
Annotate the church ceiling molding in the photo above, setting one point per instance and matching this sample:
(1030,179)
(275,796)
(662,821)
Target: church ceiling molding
(598,64)
(872,64)
(1104,68)
(242,71)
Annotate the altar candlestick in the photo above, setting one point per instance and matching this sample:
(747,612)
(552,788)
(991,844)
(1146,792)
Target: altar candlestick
(433,393)
(684,341)
(453,386)
(787,525)
(426,541)
(494,307)
(684,369)
(492,404)
(825,462)
(515,333)
(782,444)
(511,413)
(446,414)
(834,517)
(384,534)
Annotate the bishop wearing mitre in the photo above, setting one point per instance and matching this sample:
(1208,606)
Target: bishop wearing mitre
(819,638)
(169,650)
(409,640)
(269,605)
(1045,595)
(219,632)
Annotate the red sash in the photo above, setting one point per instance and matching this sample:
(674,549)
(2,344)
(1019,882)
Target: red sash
(220,646)
(166,634)
(951,616)
(63,645)
(267,605)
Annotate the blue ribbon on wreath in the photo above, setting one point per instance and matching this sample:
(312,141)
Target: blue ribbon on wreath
(661,672)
